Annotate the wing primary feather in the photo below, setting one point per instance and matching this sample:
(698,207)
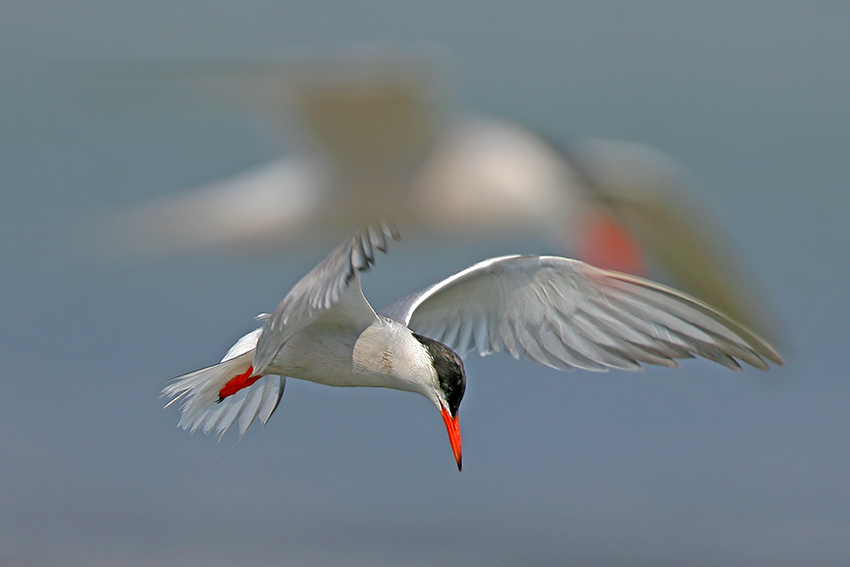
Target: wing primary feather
(739,350)
(481,335)
(743,347)
(654,334)
(496,344)
(711,352)
(691,313)
(532,349)
(449,336)
(359,258)
(626,345)
(630,350)
(679,338)
(598,351)
(366,246)
(702,340)
(643,335)
(704,315)
(509,338)
(554,345)
(377,238)
(659,317)
(464,337)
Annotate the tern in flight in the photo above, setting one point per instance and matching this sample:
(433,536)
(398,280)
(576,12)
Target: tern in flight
(553,310)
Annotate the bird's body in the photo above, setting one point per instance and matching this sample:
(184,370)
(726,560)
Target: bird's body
(384,354)
(556,311)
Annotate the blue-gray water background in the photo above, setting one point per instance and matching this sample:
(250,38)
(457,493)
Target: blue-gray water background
(697,466)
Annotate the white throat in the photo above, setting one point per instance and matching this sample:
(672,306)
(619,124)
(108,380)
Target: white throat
(388,355)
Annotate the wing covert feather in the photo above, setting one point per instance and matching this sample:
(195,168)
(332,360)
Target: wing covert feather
(322,288)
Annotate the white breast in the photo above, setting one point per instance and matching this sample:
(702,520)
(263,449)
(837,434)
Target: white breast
(384,355)
(319,353)
(387,355)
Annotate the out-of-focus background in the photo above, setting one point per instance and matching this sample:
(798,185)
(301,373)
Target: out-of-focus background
(697,465)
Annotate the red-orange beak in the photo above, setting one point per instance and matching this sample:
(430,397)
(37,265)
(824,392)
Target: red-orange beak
(453,428)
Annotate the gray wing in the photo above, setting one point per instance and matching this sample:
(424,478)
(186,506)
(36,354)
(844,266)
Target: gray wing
(270,204)
(321,289)
(565,313)
(648,193)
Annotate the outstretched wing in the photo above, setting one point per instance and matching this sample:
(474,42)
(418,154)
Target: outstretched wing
(327,285)
(565,313)
(273,203)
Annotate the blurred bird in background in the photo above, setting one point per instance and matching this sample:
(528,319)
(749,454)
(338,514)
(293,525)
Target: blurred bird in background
(379,140)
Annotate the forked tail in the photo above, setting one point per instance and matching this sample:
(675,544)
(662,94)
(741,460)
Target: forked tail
(216,397)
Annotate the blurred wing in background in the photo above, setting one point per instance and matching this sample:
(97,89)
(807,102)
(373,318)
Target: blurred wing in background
(647,193)
(362,124)
(377,143)
(265,208)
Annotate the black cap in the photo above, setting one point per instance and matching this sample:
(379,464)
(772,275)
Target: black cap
(449,369)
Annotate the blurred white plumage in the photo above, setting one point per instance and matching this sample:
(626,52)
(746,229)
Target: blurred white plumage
(379,143)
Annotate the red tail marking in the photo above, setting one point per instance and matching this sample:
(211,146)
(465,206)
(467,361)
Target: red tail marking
(237,383)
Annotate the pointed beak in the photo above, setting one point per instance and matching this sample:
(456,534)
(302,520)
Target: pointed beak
(453,428)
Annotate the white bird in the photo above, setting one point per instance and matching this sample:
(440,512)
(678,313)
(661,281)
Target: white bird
(557,311)
(376,137)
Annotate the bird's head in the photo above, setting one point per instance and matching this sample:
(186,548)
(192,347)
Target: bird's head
(448,392)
